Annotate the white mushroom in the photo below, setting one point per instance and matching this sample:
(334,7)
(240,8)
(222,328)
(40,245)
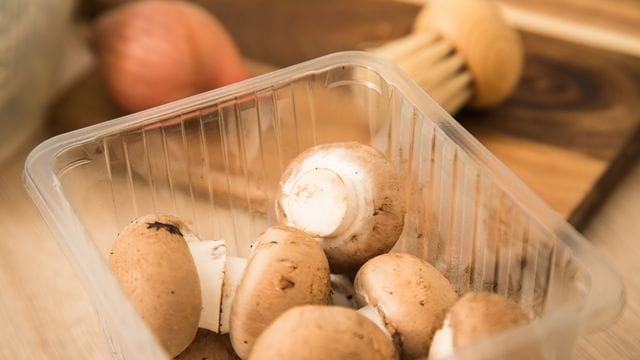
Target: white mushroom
(406,297)
(349,197)
(474,316)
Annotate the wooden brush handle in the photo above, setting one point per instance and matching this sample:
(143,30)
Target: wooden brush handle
(461,51)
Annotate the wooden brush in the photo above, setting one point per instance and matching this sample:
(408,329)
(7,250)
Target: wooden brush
(460,52)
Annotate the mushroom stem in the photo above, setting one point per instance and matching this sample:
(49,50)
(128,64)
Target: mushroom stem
(442,343)
(374,316)
(323,201)
(219,276)
(233,274)
(342,292)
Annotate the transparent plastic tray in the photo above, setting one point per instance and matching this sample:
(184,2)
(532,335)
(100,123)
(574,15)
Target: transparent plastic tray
(215,159)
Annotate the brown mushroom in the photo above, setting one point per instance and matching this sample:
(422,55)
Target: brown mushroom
(210,346)
(474,316)
(287,268)
(151,260)
(407,297)
(322,332)
(349,197)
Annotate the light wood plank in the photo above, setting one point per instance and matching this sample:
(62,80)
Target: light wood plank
(45,313)
(615,231)
(536,163)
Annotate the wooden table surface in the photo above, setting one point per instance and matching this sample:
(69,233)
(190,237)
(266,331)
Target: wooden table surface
(46,314)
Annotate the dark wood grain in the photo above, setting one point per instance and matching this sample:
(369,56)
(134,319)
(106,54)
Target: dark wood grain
(573,98)
(570,96)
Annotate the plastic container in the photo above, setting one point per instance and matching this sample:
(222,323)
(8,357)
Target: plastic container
(215,159)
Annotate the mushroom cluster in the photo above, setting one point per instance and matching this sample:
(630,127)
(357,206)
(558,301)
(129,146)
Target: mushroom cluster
(322,284)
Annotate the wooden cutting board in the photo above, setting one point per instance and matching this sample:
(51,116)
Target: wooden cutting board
(571,126)
(569,130)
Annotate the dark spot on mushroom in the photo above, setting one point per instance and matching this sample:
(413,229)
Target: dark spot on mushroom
(349,297)
(285,284)
(421,302)
(245,341)
(290,264)
(173,292)
(274,242)
(111,253)
(218,251)
(353,238)
(170,228)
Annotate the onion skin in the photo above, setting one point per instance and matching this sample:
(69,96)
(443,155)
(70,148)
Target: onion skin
(152,52)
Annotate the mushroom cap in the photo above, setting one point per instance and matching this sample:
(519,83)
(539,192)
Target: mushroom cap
(287,268)
(492,50)
(323,332)
(410,295)
(208,345)
(478,314)
(380,203)
(151,260)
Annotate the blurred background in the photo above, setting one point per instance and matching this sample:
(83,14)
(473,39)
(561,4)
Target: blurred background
(566,119)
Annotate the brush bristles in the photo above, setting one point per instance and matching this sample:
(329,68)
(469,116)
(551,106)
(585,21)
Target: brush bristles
(433,63)
(407,45)
(452,90)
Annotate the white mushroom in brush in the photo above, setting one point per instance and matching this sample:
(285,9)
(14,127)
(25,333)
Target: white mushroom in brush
(474,316)
(177,287)
(407,297)
(349,197)
(322,332)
